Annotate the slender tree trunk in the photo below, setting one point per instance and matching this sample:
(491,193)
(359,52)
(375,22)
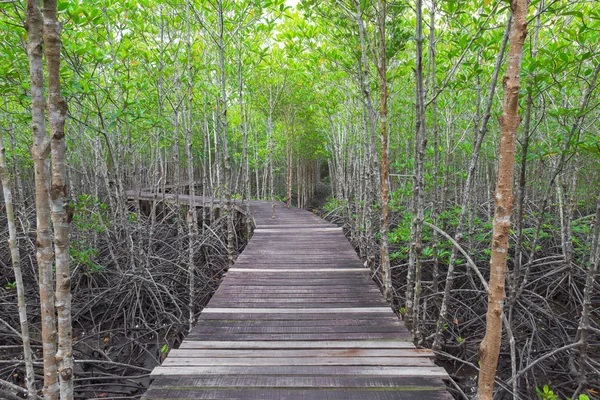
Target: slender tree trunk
(521,192)
(385,164)
(224,131)
(15,255)
(62,213)
(370,129)
(270,132)
(489,348)
(192,217)
(413,288)
(40,151)
(436,153)
(584,324)
(246,190)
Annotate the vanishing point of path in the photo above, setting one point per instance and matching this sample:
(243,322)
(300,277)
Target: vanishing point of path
(298,317)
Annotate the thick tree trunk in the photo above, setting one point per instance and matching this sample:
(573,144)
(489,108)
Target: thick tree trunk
(489,348)
(15,255)
(40,151)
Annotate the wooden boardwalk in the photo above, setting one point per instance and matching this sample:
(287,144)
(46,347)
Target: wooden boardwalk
(297,318)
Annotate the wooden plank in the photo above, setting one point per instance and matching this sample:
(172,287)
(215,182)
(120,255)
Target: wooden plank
(306,323)
(301,353)
(267,361)
(302,270)
(296,282)
(295,230)
(295,301)
(301,336)
(298,344)
(298,310)
(316,305)
(226,329)
(297,394)
(307,382)
(248,315)
(300,290)
(302,370)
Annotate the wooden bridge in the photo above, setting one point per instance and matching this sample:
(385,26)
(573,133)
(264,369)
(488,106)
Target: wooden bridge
(298,317)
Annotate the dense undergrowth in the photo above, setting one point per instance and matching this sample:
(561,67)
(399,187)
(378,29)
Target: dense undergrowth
(128,309)
(545,317)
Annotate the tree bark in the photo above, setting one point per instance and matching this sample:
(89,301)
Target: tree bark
(40,151)
(62,213)
(413,285)
(224,132)
(15,255)
(489,348)
(385,164)
(192,217)
(270,133)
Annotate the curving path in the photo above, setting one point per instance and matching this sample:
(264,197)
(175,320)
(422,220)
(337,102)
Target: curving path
(298,318)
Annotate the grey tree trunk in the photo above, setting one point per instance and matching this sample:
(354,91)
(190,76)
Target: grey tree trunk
(15,256)
(62,214)
(40,152)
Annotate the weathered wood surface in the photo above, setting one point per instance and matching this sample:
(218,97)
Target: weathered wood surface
(181,198)
(298,317)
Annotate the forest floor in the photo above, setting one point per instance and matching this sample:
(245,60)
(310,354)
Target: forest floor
(545,319)
(127,312)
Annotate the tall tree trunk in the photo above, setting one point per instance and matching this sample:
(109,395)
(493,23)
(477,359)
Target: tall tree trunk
(270,133)
(224,132)
(40,151)
(192,217)
(385,164)
(436,153)
(62,214)
(370,129)
(15,255)
(246,189)
(584,324)
(413,285)
(489,348)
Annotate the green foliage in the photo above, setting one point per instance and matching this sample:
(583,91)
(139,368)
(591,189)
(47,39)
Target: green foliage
(90,214)
(545,393)
(332,205)
(83,255)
